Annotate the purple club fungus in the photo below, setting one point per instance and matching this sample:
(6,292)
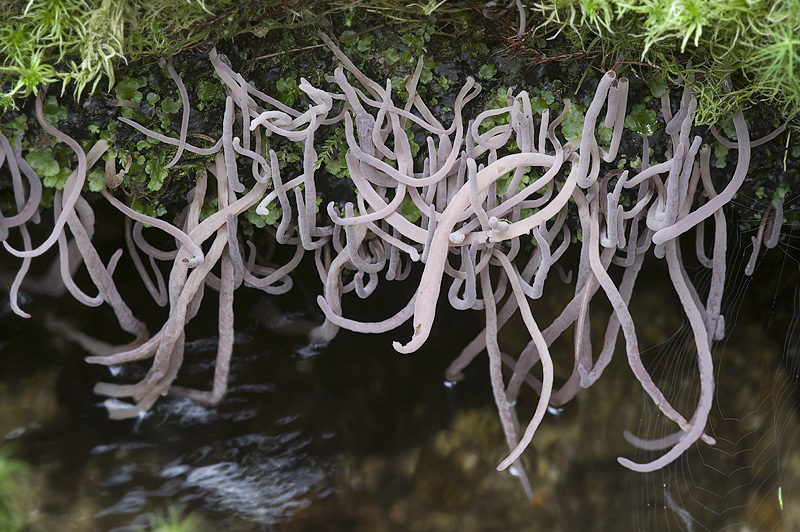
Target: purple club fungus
(468,234)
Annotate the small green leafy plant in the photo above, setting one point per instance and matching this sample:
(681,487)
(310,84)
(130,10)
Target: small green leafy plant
(171,521)
(753,43)
(13,517)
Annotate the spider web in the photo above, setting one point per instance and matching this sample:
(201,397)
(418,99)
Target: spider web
(750,479)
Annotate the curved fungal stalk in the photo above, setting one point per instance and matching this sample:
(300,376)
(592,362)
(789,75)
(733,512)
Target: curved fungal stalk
(180,236)
(74,184)
(157,291)
(507,418)
(184,117)
(544,357)
(693,431)
(620,305)
(720,200)
(26,208)
(774,229)
(428,291)
(169,140)
(588,146)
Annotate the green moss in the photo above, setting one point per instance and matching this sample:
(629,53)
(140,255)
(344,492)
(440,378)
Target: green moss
(337,166)
(392,55)
(173,521)
(128,89)
(382,51)
(209,91)
(155,169)
(604,134)
(475,46)
(720,154)
(642,120)
(398,83)
(363,43)
(332,154)
(426,76)
(260,221)
(44,163)
(154,210)
(96,180)
(753,44)
(658,86)
(572,126)
(538,104)
(15,127)
(409,210)
(528,177)
(209,207)
(779,194)
(288,90)
(412,144)
(13,474)
(53,112)
(487,71)
(416,40)
(170,105)
(81,42)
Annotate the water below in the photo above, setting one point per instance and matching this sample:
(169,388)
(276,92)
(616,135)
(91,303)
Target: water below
(353,436)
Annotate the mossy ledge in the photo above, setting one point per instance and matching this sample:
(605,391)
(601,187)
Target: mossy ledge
(561,48)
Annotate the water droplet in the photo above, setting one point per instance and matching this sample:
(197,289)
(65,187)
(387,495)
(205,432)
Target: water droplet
(450,384)
(16,433)
(555,410)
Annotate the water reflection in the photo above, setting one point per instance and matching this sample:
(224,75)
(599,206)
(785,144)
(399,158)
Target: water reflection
(258,477)
(255,477)
(351,436)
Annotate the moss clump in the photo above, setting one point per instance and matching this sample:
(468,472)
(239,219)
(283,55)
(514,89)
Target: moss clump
(173,521)
(81,42)
(14,476)
(739,53)
(642,120)
(387,47)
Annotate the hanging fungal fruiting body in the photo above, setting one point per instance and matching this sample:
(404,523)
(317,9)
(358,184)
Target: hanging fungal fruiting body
(469,233)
